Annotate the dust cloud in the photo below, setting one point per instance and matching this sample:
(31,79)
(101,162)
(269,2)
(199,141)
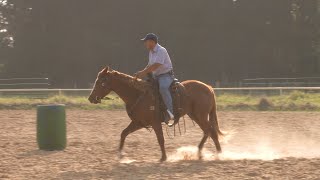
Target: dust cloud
(265,140)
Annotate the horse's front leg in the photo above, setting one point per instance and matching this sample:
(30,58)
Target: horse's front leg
(159,133)
(132,127)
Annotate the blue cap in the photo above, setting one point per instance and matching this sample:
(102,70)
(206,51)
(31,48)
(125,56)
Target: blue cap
(150,36)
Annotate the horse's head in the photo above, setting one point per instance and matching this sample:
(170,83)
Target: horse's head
(102,86)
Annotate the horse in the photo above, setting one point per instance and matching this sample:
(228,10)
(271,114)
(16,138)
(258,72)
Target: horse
(200,106)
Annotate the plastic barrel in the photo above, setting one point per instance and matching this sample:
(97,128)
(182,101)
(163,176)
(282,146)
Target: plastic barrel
(51,127)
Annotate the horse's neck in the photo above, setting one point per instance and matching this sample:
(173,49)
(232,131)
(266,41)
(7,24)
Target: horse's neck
(127,93)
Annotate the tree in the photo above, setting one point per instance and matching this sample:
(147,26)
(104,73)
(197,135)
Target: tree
(220,40)
(12,14)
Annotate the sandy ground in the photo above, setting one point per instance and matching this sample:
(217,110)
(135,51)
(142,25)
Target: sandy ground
(260,145)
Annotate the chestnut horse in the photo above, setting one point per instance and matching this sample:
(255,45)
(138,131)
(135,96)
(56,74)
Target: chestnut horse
(200,106)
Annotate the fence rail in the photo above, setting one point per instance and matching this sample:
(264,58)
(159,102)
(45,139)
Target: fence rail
(283,82)
(266,90)
(22,83)
(85,92)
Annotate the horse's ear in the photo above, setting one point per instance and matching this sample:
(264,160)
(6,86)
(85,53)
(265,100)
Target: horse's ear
(106,69)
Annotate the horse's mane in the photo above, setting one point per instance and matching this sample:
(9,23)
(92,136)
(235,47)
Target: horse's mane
(137,83)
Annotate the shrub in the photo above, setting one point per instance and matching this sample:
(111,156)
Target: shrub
(264,104)
(295,95)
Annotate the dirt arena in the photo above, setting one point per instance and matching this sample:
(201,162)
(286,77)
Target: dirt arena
(260,145)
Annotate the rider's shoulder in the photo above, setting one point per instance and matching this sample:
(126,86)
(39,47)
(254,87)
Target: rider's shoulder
(161,48)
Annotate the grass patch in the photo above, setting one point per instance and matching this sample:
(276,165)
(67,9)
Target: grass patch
(295,101)
(73,102)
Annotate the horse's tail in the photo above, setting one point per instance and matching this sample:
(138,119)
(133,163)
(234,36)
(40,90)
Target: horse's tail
(213,117)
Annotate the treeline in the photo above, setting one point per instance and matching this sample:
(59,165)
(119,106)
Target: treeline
(210,40)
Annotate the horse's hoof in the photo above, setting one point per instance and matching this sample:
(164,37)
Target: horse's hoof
(217,155)
(163,159)
(120,155)
(200,156)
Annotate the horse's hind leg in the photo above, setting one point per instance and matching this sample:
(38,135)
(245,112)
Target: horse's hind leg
(215,138)
(201,144)
(208,130)
(212,132)
(203,140)
(132,127)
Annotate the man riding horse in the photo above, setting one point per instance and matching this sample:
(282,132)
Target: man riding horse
(199,104)
(160,66)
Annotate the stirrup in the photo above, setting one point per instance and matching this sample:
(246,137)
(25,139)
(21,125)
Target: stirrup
(174,123)
(171,116)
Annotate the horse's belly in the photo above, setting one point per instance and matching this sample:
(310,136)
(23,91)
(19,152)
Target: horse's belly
(143,113)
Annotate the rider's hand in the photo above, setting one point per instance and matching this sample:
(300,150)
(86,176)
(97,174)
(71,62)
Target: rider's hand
(139,74)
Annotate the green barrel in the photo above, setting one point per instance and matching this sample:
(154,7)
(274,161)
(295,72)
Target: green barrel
(51,127)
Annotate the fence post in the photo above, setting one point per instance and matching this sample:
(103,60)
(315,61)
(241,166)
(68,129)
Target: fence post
(281,91)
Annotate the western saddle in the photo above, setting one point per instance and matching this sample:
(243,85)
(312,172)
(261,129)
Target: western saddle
(178,95)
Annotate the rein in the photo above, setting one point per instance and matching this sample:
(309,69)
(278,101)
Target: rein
(135,104)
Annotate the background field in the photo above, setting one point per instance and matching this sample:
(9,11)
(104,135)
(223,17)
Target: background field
(294,101)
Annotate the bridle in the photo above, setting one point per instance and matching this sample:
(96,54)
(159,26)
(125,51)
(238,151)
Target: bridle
(103,81)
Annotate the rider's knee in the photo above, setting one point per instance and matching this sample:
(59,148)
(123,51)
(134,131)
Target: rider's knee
(163,89)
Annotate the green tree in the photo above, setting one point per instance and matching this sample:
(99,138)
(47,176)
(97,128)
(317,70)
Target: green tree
(13,13)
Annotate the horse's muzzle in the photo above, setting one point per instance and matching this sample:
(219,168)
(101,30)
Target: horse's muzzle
(94,99)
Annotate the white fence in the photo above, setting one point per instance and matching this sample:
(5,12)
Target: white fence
(19,83)
(266,90)
(86,92)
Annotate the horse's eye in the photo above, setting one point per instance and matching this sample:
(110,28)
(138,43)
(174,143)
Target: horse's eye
(102,84)
(103,79)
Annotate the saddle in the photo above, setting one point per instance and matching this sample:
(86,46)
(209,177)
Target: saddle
(178,95)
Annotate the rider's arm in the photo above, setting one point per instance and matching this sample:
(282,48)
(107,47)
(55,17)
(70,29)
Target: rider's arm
(158,61)
(148,69)
(151,68)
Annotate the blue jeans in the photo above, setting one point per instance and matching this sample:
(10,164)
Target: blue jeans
(165,81)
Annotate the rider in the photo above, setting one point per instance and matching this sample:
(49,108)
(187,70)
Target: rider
(161,67)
